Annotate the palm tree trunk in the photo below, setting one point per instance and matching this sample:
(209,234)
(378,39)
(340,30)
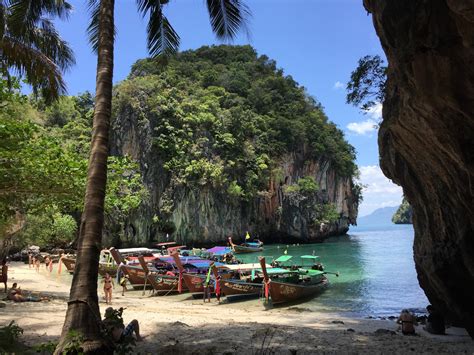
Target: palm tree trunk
(83,313)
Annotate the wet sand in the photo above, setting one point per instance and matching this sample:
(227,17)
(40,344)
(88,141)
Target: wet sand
(179,324)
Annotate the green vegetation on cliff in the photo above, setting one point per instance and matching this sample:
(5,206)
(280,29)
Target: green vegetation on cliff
(43,166)
(404,214)
(222,116)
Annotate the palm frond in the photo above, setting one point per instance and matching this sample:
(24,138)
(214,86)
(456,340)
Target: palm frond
(227,17)
(93,28)
(24,14)
(37,68)
(161,37)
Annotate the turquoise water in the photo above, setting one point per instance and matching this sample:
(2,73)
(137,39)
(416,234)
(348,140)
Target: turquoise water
(377,271)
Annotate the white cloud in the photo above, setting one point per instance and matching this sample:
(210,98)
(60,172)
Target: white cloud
(338,85)
(376,112)
(379,191)
(362,128)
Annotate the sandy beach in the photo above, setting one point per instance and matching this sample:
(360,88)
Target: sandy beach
(180,324)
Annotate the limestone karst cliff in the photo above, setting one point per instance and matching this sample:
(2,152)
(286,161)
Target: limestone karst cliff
(226,144)
(426,139)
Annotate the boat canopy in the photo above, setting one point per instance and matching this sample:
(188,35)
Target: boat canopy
(314,257)
(235,267)
(310,272)
(136,250)
(283,258)
(165,244)
(219,250)
(277,270)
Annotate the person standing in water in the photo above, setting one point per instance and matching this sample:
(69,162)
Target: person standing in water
(108,285)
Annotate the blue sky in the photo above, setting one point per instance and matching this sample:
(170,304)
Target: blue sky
(317,42)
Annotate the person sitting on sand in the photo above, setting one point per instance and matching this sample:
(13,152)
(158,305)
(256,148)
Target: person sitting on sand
(113,323)
(408,322)
(435,322)
(15,295)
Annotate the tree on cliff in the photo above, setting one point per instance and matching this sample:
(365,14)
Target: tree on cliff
(404,214)
(30,45)
(226,17)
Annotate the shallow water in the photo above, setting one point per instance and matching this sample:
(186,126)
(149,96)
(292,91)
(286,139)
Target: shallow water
(377,271)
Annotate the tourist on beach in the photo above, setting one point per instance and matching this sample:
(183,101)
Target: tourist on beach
(30,261)
(435,322)
(48,263)
(122,278)
(15,294)
(113,323)
(408,322)
(4,273)
(108,285)
(36,263)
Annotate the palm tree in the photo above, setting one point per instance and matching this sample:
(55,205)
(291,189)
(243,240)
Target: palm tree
(31,47)
(226,17)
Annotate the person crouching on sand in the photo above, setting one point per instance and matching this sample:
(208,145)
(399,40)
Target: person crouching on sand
(114,326)
(108,285)
(408,322)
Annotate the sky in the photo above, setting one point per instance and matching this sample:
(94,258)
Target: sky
(317,42)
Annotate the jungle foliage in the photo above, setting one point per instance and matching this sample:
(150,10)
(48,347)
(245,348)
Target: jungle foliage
(44,151)
(404,214)
(223,117)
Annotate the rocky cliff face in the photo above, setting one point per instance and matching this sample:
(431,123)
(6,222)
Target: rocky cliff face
(205,215)
(427,138)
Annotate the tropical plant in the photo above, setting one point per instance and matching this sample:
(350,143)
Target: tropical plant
(367,85)
(31,47)
(226,16)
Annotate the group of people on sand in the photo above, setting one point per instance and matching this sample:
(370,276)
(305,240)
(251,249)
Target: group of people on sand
(34,262)
(434,323)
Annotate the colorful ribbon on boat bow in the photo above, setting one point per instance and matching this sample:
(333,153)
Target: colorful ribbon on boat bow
(267,288)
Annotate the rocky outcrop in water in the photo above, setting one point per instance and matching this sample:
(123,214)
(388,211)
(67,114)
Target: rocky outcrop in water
(404,214)
(427,138)
(228,144)
(205,216)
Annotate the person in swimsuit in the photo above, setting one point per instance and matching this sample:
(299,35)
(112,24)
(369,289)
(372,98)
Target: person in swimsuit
(408,322)
(108,285)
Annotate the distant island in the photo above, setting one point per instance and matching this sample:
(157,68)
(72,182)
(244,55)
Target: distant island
(404,214)
(381,216)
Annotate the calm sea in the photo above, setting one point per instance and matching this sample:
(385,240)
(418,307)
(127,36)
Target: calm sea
(377,271)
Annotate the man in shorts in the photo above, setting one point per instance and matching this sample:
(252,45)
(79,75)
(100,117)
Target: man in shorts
(116,328)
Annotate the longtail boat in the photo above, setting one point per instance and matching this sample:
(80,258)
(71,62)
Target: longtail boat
(69,262)
(247,247)
(244,281)
(162,283)
(288,285)
(195,281)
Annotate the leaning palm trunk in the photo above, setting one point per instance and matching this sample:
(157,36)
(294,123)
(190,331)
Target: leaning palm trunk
(83,313)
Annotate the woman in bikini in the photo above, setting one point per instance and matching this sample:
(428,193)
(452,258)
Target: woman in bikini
(108,285)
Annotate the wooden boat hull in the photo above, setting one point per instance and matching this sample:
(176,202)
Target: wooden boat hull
(240,249)
(195,282)
(282,292)
(136,276)
(236,287)
(69,263)
(166,284)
